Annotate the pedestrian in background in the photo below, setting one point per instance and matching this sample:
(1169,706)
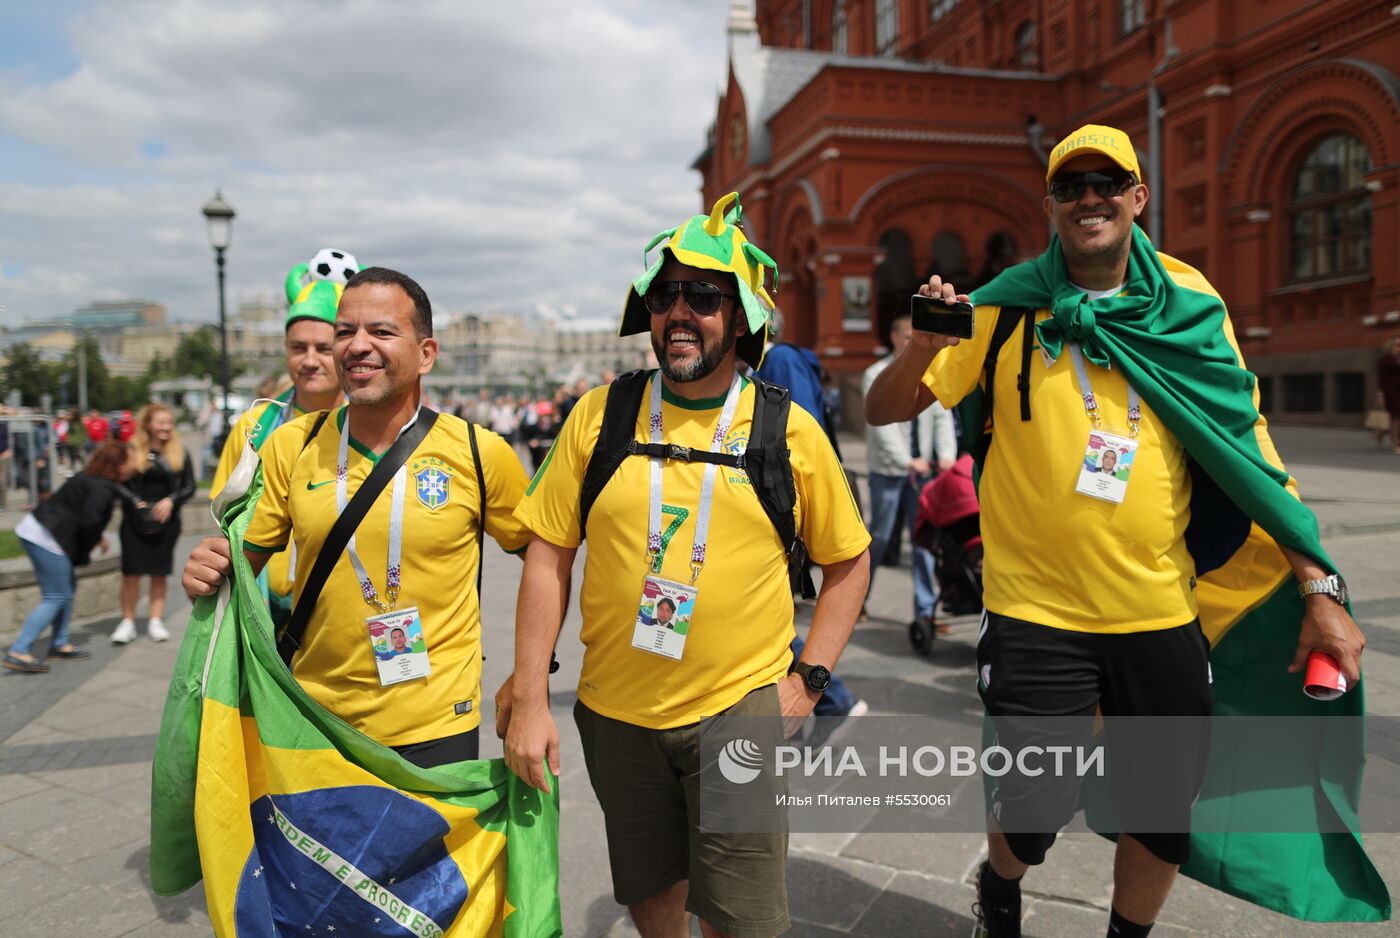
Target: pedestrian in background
(1388,389)
(58,536)
(163,480)
(898,457)
(6,458)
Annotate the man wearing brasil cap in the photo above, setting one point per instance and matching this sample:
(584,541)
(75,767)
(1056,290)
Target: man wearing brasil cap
(312,297)
(679,523)
(1122,594)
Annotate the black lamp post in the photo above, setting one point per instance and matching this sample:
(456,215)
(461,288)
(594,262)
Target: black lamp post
(219,214)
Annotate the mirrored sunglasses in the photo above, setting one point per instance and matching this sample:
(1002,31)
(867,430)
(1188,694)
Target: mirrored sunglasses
(1069,187)
(703,299)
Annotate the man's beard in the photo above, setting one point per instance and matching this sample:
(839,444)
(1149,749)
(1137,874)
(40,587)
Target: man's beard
(709,359)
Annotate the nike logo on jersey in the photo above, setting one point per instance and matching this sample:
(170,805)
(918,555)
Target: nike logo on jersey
(317,485)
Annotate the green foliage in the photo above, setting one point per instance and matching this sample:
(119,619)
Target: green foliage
(28,373)
(9,545)
(197,356)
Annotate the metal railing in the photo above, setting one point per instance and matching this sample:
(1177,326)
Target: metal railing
(25,427)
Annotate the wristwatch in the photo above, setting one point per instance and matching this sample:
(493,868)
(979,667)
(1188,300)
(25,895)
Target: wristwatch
(1333,586)
(814,676)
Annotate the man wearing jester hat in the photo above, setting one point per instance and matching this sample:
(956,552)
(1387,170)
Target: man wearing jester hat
(683,523)
(313,290)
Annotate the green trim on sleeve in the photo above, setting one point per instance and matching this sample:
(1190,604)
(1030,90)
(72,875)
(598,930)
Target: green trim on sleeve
(260,549)
(539,473)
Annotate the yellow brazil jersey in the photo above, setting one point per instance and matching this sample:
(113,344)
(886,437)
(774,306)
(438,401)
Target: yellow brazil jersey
(278,567)
(1053,556)
(336,663)
(742,624)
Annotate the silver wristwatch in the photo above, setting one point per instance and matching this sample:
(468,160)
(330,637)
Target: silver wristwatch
(1333,586)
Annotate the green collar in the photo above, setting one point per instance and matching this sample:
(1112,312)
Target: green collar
(355,444)
(702,403)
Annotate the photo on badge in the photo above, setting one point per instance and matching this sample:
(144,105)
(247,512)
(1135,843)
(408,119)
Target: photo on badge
(666,605)
(400,649)
(1108,462)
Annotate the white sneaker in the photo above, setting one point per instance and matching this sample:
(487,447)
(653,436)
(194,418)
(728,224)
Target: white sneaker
(124,632)
(157,631)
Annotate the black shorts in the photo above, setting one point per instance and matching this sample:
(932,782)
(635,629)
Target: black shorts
(1043,687)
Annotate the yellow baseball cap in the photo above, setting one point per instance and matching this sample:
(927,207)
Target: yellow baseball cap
(1095,138)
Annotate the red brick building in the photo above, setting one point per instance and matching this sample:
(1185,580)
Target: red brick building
(877,141)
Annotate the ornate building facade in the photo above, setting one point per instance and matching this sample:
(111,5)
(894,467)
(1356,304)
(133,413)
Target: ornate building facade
(878,141)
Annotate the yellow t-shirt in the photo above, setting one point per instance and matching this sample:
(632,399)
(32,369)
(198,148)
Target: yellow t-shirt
(336,662)
(742,625)
(278,567)
(1053,556)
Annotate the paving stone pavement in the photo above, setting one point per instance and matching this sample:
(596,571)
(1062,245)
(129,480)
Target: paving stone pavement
(75,749)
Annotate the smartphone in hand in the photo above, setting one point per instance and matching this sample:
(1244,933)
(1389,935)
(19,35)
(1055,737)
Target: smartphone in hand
(937,315)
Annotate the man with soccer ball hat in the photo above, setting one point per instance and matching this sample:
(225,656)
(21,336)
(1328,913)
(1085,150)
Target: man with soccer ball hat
(689,525)
(313,290)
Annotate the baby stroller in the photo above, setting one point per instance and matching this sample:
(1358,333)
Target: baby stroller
(948,524)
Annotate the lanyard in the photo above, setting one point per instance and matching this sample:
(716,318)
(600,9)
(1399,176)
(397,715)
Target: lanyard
(392,576)
(707,488)
(1091,403)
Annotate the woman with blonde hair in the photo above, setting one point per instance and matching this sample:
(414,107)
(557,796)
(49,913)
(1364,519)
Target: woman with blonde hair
(162,481)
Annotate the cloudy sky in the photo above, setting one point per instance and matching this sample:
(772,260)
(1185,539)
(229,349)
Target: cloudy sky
(509,155)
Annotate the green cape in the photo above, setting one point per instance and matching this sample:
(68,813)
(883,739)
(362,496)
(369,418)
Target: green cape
(1170,334)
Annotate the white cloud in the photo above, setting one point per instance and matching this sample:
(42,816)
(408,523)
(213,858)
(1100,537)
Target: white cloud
(509,155)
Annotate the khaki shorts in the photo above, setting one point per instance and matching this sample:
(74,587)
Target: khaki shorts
(648,782)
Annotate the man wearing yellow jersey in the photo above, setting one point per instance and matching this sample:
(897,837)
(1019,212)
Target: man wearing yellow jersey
(647,693)
(1089,586)
(311,366)
(428,712)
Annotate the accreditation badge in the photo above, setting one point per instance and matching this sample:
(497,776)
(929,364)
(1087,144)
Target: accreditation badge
(1107,465)
(400,650)
(663,617)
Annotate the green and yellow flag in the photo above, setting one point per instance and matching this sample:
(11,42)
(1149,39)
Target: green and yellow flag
(299,824)
(1170,334)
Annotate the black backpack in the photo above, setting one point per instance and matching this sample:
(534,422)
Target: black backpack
(767,461)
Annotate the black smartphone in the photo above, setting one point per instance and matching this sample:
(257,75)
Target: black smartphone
(935,314)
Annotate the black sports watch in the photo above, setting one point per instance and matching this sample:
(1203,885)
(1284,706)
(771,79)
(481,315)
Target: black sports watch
(814,676)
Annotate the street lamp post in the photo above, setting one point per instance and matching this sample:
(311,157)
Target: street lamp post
(219,214)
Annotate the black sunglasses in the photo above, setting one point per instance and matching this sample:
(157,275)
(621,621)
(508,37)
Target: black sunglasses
(1069,187)
(703,299)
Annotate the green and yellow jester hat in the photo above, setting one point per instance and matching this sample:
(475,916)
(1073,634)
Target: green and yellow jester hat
(712,242)
(314,289)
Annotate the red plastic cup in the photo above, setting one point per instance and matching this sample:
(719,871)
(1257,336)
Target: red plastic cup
(1323,680)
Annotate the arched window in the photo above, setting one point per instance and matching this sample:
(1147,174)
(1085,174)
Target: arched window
(895,280)
(838,27)
(1329,210)
(886,26)
(949,257)
(1027,59)
(1001,252)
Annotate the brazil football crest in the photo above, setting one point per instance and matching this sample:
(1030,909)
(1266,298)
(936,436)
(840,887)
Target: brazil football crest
(433,483)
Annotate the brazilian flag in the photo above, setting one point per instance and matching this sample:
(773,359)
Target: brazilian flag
(1169,333)
(299,824)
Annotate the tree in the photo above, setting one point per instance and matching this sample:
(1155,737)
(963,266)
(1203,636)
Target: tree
(27,372)
(197,355)
(98,377)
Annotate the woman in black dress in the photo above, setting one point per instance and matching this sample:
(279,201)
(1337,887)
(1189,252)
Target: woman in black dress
(162,481)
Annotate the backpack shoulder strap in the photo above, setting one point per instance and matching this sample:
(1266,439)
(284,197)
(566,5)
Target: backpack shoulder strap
(618,430)
(769,465)
(1008,318)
